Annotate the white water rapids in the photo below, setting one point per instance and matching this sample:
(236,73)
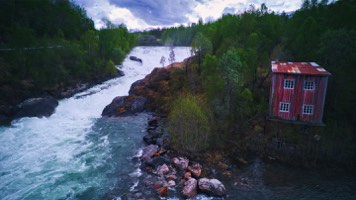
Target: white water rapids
(75,154)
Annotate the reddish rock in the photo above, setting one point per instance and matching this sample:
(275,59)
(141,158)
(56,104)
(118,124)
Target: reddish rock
(180,162)
(190,188)
(163,191)
(187,175)
(212,186)
(195,169)
(156,88)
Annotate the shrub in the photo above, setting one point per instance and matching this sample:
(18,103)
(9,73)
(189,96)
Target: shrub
(189,124)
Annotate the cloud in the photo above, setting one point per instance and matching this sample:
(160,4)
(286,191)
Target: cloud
(142,14)
(158,12)
(228,10)
(100,12)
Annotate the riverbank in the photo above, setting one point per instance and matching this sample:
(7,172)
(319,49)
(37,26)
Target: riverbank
(262,141)
(13,95)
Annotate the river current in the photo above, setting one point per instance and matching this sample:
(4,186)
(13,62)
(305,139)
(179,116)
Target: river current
(76,154)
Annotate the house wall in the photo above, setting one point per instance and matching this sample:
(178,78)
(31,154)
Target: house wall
(297,97)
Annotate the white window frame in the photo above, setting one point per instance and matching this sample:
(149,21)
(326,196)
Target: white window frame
(288,84)
(308,109)
(284,107)
(309,85)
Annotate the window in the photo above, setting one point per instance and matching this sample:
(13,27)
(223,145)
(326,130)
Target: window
(308,109)
(309,85)
(284,107)
(288,84)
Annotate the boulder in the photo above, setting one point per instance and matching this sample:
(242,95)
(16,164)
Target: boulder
(195,169)
(157,161)
(190,188)
(119,73)
(148,152)
(124,105)
(163,140)
(151,137)
(153,122)
(180,162)
(212,187)
(134,58)
(36,107)
(162,169)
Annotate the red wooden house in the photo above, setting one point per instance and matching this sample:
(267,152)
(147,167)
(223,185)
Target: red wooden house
(298,92)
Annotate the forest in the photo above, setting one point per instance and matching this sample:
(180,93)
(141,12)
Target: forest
(231,79)
(46,45)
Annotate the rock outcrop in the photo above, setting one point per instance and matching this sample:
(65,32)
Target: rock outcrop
(153,93)
(125,105)
(36,107)
(134,58)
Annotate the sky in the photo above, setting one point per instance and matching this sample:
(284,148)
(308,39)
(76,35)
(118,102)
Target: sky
(148,14)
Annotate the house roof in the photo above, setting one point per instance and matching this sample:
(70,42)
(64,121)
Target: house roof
(309,68)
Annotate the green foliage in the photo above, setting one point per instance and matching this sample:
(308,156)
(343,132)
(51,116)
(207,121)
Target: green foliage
(59,49)
(213,84)
(201,45)
(189,124)
(115,42)
(234,74)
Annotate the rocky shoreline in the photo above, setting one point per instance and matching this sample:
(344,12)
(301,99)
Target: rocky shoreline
(25,100)
(166,173)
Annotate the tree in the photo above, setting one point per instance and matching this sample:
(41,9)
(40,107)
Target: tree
(232,68)
(306,5)
(162,61)
(172,56)
(201,45)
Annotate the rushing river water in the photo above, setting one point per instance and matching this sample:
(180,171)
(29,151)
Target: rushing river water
(76,154)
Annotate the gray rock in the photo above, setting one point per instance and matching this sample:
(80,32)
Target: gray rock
(134,58)
(124,105)
(151,137)
(148,152)
(36,107)
(157,161)
(212,186)
(180,162)
(162,169)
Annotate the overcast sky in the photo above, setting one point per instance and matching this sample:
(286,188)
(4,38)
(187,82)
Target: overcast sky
(143,14)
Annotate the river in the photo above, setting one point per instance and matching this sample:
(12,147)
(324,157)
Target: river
(76,154)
